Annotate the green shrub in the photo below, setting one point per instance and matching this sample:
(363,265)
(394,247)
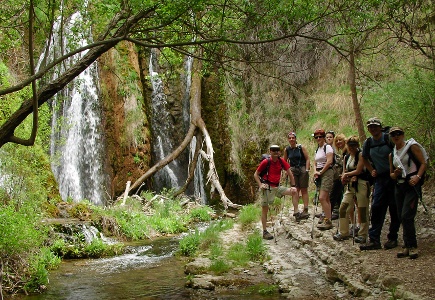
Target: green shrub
(249,215)
(189,244)
(238,254)
(38,270)
(219,267)
(255,246)
(19,233)
(201,214)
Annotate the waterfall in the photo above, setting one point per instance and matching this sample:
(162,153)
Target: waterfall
(174,173)
(77,147)
(167,177)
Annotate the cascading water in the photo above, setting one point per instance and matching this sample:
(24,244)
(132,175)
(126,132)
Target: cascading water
(76,141)
(168,176)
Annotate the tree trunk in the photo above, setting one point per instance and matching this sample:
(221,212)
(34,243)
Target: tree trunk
(355,102)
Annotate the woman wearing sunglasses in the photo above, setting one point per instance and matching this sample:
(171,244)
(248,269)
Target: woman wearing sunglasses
(407,167)
(324,176)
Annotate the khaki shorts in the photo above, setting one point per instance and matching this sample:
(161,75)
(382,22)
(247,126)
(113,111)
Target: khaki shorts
(327,180)
(301,177)
(267,197)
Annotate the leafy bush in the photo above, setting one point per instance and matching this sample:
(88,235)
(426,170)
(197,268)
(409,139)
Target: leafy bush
(201,214)
(255,246)
(219,267)
(19,233)
(189,244)
(39,265)
(249,214)
(238,254)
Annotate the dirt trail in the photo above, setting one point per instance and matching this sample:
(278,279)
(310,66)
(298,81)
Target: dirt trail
(308,268)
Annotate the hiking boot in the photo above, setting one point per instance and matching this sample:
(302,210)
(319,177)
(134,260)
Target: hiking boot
(360,240)
(404,253)
(267,235)
(321,218)
(297,216)
(371,246)
(356,231)
(390,244)
(339,237)
(304,214)
(326,225)
(334,216)
(413,253)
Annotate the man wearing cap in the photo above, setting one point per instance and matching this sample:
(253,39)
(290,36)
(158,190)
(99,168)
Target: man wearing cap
(376,151)
(269,183)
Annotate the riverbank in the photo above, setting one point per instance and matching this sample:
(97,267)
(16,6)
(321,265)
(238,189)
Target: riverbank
(309,268)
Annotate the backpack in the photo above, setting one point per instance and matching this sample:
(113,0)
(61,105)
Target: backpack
(365,174)
(416,162)
(386,141)
(335,158)
(301,155)
(266,170)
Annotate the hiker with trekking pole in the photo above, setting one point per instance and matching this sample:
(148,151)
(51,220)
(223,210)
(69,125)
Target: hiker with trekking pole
(355,179)
(408,163)
(268,177)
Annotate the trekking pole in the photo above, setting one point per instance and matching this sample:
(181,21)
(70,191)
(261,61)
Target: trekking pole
(354,221)
(315,201)
(420,196)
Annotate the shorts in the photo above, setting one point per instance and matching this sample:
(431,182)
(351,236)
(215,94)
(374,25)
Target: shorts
(267,197)
(301,177)
(327,180)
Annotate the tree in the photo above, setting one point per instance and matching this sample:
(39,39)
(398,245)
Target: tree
(200,24)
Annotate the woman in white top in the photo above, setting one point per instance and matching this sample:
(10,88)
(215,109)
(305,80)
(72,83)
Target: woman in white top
(407,167)
(324,176)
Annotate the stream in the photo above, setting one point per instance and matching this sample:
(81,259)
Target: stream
(149,271)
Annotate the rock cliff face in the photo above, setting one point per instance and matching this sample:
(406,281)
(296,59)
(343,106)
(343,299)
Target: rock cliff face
(125,118)
(126,92)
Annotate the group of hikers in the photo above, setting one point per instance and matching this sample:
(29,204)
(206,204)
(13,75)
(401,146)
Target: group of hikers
(387,169)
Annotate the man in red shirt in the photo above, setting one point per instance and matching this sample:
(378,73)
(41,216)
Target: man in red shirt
(269,183)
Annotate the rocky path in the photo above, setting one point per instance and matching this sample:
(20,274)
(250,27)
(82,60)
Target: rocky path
(306,267)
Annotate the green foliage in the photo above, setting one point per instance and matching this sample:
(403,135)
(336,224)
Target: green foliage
(201,214)
(219,267)
(19,231)
(407,103)
(238,255)
(193,241)
(249,215)
(189,244)
(255,247)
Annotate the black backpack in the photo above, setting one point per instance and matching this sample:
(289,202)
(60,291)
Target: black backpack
(335,156)
(266,170)
(386,141)
(301,155)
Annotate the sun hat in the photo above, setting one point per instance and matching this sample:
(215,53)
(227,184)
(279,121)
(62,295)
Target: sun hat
(396,128)
(374,121)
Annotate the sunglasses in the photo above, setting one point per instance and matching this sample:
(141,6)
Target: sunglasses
(274,150)
(396,133)
(319,137)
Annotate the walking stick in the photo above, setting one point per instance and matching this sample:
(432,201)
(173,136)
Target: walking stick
(354,221)
(420,196)
(315,201)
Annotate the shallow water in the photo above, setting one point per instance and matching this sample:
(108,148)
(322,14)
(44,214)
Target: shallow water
(150,272)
